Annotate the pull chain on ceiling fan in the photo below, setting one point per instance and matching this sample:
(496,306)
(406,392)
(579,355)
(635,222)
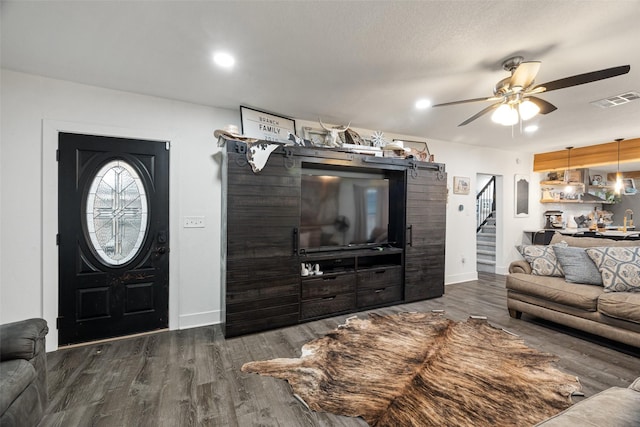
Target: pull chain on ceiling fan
(513,96)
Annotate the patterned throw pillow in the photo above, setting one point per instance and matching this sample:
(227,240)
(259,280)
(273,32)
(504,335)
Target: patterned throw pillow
(542,259)
(619,266)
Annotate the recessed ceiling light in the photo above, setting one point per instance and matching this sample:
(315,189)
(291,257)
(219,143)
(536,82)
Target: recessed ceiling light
(531,128)
(422,104)
(223,59)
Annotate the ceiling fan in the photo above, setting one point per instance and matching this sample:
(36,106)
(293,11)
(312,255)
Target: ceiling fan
(513,96)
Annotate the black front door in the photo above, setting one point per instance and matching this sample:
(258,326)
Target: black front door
(113,222)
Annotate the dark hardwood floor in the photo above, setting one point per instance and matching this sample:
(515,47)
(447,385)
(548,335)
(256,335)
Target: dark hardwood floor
(192,377)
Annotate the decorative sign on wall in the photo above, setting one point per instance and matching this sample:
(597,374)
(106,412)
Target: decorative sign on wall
(521,186)
(267,126)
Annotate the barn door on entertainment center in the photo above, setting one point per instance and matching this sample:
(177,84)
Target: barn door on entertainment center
(262,212)
(113,242)
(425,240)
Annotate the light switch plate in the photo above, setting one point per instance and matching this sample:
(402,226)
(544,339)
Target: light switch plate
(193,222)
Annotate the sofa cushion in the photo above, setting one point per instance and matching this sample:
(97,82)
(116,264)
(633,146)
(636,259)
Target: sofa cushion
(589,242)
(614,407)
(15,376)
(621,305)
(556,289)
(578,267)
(620,267)
(542,259)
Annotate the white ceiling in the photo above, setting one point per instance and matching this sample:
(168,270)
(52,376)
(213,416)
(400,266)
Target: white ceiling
(358,61)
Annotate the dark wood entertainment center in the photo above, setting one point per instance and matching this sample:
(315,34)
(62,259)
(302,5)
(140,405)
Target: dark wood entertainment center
(262,286)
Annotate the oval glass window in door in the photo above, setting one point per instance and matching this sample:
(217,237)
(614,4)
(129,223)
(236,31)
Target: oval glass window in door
(116,213)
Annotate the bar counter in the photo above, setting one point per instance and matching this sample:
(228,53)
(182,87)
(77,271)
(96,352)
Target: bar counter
(543,236)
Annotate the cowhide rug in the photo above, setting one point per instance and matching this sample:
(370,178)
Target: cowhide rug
(421,369)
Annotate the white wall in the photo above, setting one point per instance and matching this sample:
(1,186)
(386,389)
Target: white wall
(33,109)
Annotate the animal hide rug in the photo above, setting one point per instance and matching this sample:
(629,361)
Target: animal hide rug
(421,369)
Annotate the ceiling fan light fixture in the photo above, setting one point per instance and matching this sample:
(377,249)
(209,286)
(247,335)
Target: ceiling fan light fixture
(528,109)
(505,115)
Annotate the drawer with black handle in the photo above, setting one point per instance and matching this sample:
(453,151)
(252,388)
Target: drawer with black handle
(328,305)
(378,296)
(379,277)
(328,285)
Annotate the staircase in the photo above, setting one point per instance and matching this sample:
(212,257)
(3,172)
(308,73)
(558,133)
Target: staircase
(486,227)
(486,246)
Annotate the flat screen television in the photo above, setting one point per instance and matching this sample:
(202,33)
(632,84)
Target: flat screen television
(343,209)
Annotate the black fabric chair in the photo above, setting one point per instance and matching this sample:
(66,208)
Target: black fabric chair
(23,372)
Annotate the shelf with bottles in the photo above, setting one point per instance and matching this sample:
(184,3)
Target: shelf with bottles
(554,191)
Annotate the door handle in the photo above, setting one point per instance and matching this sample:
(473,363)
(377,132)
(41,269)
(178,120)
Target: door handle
(161,250)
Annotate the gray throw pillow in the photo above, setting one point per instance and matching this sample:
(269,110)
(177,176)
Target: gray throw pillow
(577,265)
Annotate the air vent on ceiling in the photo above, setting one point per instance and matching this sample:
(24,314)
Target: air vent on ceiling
(616,100)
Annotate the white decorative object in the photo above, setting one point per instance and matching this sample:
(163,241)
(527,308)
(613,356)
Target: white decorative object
(377,139)
(258,155)
(304,270)
(331,139)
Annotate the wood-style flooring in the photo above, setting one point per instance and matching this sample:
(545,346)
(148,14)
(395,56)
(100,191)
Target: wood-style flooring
(192,377)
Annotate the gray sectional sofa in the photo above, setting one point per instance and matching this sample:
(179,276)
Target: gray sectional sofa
(23,372)
(555,295)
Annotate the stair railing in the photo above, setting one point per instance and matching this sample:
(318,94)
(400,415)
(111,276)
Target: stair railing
(485,203)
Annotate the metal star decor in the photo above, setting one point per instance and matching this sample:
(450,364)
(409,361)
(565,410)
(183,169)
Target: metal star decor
(377,139)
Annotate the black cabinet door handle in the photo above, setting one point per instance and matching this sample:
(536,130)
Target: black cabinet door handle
(410,228)
(295,241)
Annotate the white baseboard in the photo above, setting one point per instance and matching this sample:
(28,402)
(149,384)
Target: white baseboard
(458,278)
(502,270)
(194,320)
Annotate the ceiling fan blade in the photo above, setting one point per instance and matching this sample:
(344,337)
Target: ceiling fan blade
(545,107)
(465,101)
(481,113)
(524,74)
(581,79)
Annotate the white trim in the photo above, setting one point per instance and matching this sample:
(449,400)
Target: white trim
(459,278)
(194,320)
(49,256)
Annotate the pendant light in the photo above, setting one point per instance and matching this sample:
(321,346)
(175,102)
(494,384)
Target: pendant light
(618,186)
(567,172)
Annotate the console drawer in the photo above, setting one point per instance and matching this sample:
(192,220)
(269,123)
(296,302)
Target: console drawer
(328,285)
(381,295)
(328,305)
(380,277)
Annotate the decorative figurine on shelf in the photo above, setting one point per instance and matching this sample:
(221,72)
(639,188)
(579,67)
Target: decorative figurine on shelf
(299,141)
(331,139)
(352,137)
(377,139)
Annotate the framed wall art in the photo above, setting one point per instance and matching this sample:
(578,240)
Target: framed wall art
(461,185)
(629,186)
(267,126)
